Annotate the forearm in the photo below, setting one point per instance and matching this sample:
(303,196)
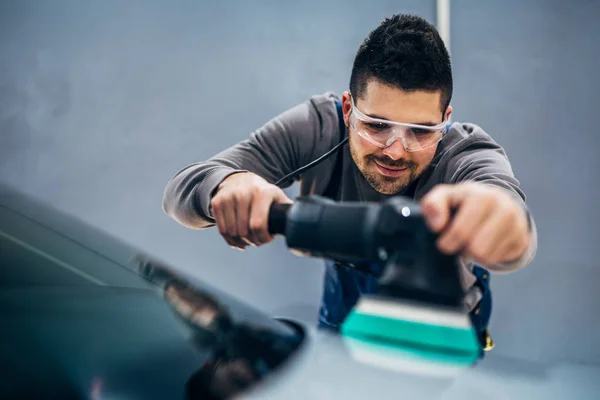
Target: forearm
(188,194)
(491,167)
(527,256)
(277,148)
(186,197)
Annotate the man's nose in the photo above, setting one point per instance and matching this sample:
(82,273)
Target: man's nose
(396,150)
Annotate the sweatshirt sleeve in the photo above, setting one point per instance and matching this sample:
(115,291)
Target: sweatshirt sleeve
(277,148)
(487,162)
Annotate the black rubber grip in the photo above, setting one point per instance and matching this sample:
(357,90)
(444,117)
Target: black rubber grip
(278,218)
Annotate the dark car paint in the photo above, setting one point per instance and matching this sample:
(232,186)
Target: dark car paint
(84,315)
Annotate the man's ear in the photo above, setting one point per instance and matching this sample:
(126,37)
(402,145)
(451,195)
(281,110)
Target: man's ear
(448,113)
(346,106)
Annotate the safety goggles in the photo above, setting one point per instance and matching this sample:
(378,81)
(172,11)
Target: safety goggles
(383,133)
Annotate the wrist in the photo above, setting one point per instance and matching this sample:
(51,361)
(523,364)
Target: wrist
(224,181)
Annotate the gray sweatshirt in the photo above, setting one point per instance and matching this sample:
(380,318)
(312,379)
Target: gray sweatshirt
(307,131)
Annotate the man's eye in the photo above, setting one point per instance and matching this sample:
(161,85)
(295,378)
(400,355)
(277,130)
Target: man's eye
(377,126)
(420,131)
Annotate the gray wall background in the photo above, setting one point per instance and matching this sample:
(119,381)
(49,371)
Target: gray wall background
(102,102)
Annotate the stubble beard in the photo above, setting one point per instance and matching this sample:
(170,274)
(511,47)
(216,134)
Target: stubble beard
(384,184)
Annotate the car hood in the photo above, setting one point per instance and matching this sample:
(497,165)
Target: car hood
(84,312)
(100,342)
(334,367)
(84,315)
(124,343)
(93,342)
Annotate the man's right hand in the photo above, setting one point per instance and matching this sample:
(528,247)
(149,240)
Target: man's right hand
(241,206)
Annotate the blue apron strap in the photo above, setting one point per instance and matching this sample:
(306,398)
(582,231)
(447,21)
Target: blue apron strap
(481,315)
(332,189)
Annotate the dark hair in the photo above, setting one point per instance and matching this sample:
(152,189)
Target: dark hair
(406,52)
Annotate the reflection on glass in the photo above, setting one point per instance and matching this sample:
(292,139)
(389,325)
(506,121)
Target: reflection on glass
(240,351)
(211,322)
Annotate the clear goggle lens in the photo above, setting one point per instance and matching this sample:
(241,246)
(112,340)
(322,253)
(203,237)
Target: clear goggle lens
(383,133)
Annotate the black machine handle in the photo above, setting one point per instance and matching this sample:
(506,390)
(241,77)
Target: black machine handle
(393,233)
(278,218)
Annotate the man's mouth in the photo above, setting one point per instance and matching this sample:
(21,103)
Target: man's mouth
(389,170)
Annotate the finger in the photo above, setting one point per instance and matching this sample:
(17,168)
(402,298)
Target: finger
(487,259)
(259,215)
(493,233)
(503,251)
(236,242)
(242,218)
(222,226)
(280,198)
(512,247)
(218,216)
(228,217)
(460,230)
(439,202)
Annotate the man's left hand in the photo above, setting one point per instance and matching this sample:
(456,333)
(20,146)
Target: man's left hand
(489,226)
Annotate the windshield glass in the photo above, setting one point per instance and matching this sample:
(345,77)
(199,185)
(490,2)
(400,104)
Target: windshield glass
(57,280)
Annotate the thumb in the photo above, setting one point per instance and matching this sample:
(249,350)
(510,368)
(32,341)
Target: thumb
(281,197)
(437,205)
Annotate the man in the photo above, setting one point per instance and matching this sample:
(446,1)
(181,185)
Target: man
(395,117)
